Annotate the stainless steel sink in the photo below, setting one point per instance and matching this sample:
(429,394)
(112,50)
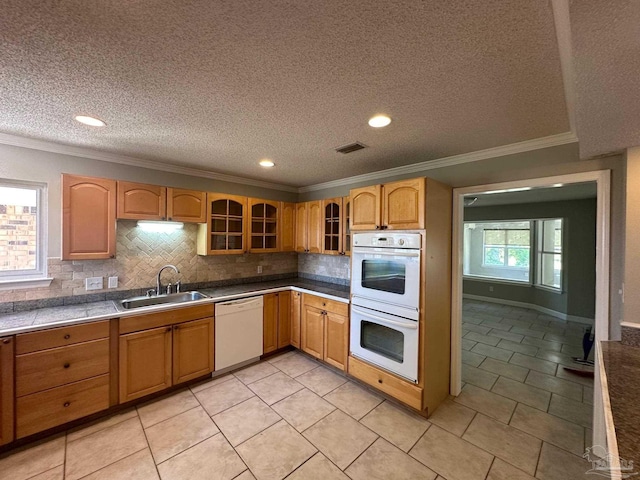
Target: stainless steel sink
(138,302)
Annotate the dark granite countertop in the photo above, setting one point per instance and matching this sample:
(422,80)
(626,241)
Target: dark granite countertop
(38,319)
(622,367)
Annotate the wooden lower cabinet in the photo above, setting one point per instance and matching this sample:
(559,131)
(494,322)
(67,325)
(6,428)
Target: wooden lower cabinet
(284,319)
(145,363)
(155,359)
(336,340)
(325,330)
(276,321)
(7,347)
(296,314)
(49,408)
(270,323)
(193,344)
(312,334)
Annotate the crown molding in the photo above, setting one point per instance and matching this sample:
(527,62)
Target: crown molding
(84,152)
(520,147)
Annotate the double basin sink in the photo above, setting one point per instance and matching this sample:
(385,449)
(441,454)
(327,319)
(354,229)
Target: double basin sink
(172,298)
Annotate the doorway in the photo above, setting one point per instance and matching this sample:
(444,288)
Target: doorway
(602,181)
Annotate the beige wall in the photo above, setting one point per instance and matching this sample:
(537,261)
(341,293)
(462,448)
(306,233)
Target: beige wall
(632,238)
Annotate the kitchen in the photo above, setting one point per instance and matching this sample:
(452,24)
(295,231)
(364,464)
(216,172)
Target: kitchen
(26,159)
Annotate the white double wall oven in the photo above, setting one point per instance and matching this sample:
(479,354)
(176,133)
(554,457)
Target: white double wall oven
(385,300)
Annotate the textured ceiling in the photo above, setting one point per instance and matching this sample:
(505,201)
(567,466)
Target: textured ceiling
(219,85)
(606,48)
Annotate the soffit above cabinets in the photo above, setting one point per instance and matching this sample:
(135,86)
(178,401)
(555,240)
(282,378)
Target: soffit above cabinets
(218,86)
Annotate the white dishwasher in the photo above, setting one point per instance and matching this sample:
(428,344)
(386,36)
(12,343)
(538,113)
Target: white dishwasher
(238,331)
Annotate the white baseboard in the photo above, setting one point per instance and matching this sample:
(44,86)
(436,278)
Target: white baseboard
(532,306)
(630,324)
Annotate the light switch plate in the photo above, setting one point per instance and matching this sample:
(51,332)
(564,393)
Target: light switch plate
(113,282)
(93,283)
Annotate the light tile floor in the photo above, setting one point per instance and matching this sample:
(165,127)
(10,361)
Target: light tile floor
(519,415)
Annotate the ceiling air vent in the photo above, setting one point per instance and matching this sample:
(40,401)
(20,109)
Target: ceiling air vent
(352,147)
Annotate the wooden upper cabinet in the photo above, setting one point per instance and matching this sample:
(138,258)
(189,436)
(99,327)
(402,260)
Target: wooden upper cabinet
(404,204)
(346,226)
(193,345)
(263,225)
(366,204)
(139,201)
(88,218)
(287,227)
(300,244)
(394,206)
(225,231)
(188,206)
(315,217)
(332,226)
(6,389)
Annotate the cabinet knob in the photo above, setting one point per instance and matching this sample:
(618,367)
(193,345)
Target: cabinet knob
(6,340)
(324,304)
(170,218)
(66,365)
(163,218)
(66,404)
(379,380)
(168,329)
(175,327)
(112,256)
(377,227)
(67,336)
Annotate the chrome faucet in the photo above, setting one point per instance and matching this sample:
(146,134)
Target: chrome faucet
(158,282)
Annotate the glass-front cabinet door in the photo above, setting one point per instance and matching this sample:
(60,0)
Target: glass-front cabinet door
(332,226)
(264,225)
(225,230)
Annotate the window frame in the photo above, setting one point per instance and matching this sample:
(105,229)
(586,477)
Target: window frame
(540,252)
(12,279)
(504,246)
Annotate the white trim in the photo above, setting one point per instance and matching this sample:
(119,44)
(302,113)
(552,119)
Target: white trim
(25,283)
(604,432)
(603,181)
(85,152)
(526,146)
(563,36)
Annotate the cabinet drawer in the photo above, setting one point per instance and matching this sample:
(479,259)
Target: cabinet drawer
(59,366)
(326,304)
(168,317)
(59,337)
(399,389)
(43,410)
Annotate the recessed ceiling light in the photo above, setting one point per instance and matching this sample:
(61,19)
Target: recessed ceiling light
(91,121)
(379,121)
(266,163)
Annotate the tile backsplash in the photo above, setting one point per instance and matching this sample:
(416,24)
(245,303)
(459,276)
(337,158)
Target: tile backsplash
(139,256)
(325,268)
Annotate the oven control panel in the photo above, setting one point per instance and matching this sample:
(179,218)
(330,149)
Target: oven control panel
(387,240)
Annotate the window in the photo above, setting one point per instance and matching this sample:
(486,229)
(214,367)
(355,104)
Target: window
(550,253)
(498,250)
(504,251)
(22,240)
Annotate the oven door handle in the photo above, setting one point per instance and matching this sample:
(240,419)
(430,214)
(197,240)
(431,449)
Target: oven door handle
(403,253)
(410,325)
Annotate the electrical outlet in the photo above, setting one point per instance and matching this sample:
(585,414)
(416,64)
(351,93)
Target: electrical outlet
(491,289)
(113,282)
(93,283)
(259,268)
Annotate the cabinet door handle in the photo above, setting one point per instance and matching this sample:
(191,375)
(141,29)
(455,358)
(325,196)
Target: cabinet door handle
(6,341)
(168,329)
(67,365)
(175,327)
(379,380)
(66,404)
(377,227)
(67,336)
